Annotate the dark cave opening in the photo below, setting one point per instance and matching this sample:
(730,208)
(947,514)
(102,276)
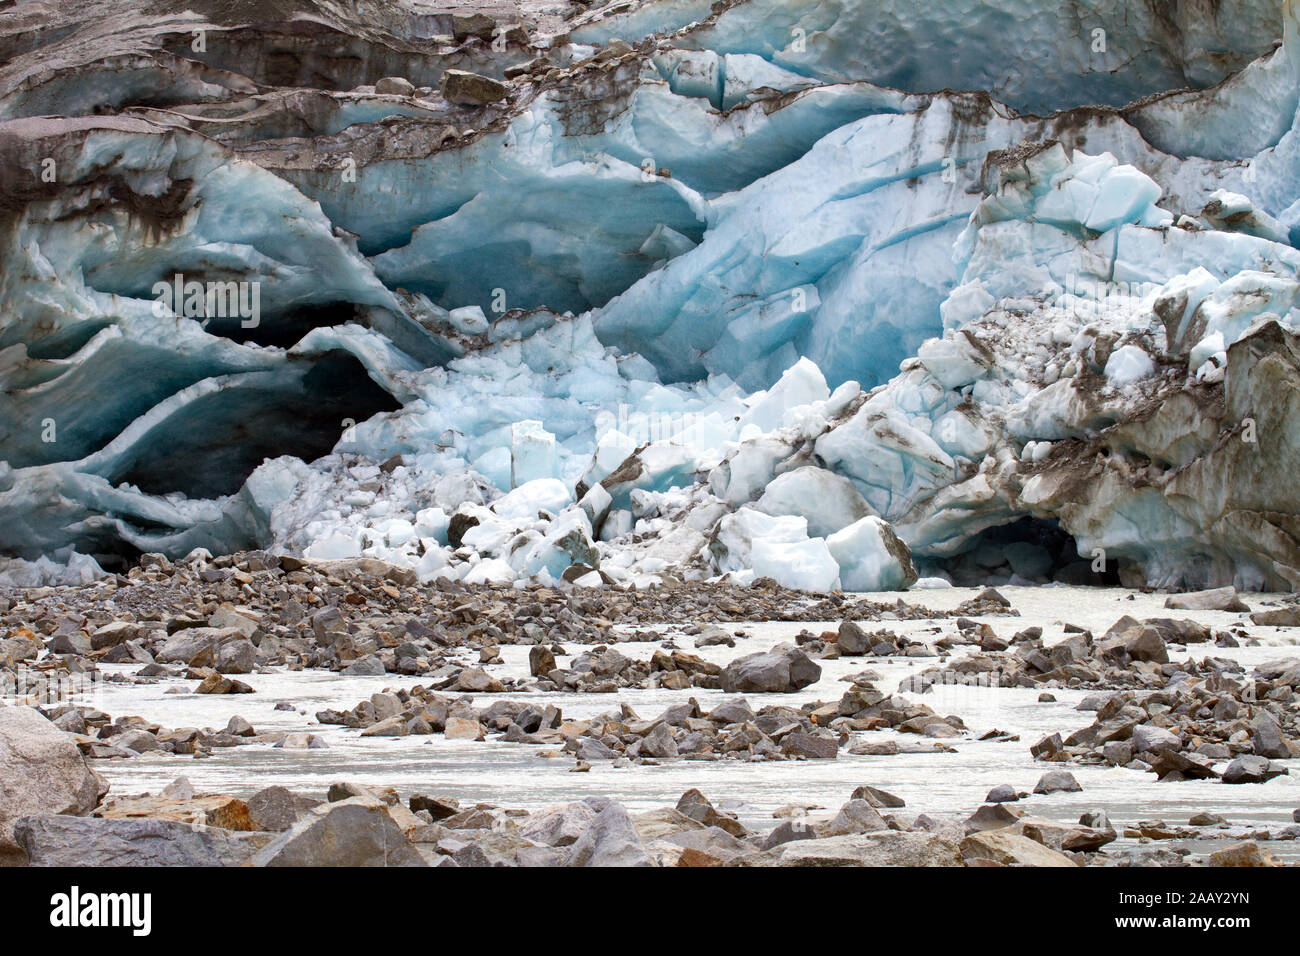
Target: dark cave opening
(210,448)
(1026,551)
(285,329)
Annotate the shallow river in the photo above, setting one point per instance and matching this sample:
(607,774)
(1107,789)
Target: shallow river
(517,774)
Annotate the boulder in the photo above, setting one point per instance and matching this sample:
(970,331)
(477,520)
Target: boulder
(882,848)
(559,826)
(113,634)
(1218,599)
(237,657)
(358,831)
(1250,768)
(541,660)
(1077,837)
(811,746)
(1057,781)
(395,86)
(471,89)
(856,816)
(1249,853)
(1267,739)
(64,841)
(1288,616)
(1153,738)
(42,771)
(276,809)
(1011,849)
(610,839)
(852,640)
(784,669)
(195,646)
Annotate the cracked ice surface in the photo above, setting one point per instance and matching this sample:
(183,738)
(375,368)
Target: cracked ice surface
(740,292)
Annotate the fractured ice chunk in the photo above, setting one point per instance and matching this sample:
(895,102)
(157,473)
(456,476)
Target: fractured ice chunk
(432,523)
(1123,195)
(827,501)
(806,565)
(566,542)
(953,360)
(1128,364)
(532,451)
(737,533)
(333,547)
(748,470)
(801,384)
(495,466)
(540,494)
(871,557)
(468,320)
(491,571)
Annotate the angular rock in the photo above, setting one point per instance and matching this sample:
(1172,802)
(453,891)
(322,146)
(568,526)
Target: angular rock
(358,831)
(65,841)
(784,669)
(610,839)
(42,771)
(471,89)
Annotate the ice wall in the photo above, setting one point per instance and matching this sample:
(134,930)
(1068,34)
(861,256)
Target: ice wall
(664,273)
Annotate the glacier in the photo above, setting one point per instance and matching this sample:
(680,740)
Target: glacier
(845,295)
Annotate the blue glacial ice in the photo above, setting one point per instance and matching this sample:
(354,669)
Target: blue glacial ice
(833,293)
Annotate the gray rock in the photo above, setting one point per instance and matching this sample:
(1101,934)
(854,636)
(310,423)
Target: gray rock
(856,816)
(276,809)
(195,646)
(1002,793)
(1096,819)
(1251,768)
(179,789)
(852,639)
(65,841)
(659,743)
(541,660)
(609,840)
(471,89)
(113,634)
(1153,738)
(370,666)
(559,826)
(395,85)
(784,669)
(357,831)
(1219,599)
(42,771)
(237,657)
(734,711)
(787,831)
(992,816)
(812,746)
(883,848)
(1057,781)
(878,798)
(1266,737)
(1288,616)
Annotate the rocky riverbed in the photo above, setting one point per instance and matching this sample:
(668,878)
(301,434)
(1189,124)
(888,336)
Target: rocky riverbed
(242,709)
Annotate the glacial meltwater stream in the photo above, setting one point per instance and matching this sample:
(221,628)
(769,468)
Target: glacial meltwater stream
(530,776)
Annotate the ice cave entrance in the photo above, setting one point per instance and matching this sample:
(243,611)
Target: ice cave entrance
(1028,550)
(210,447)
